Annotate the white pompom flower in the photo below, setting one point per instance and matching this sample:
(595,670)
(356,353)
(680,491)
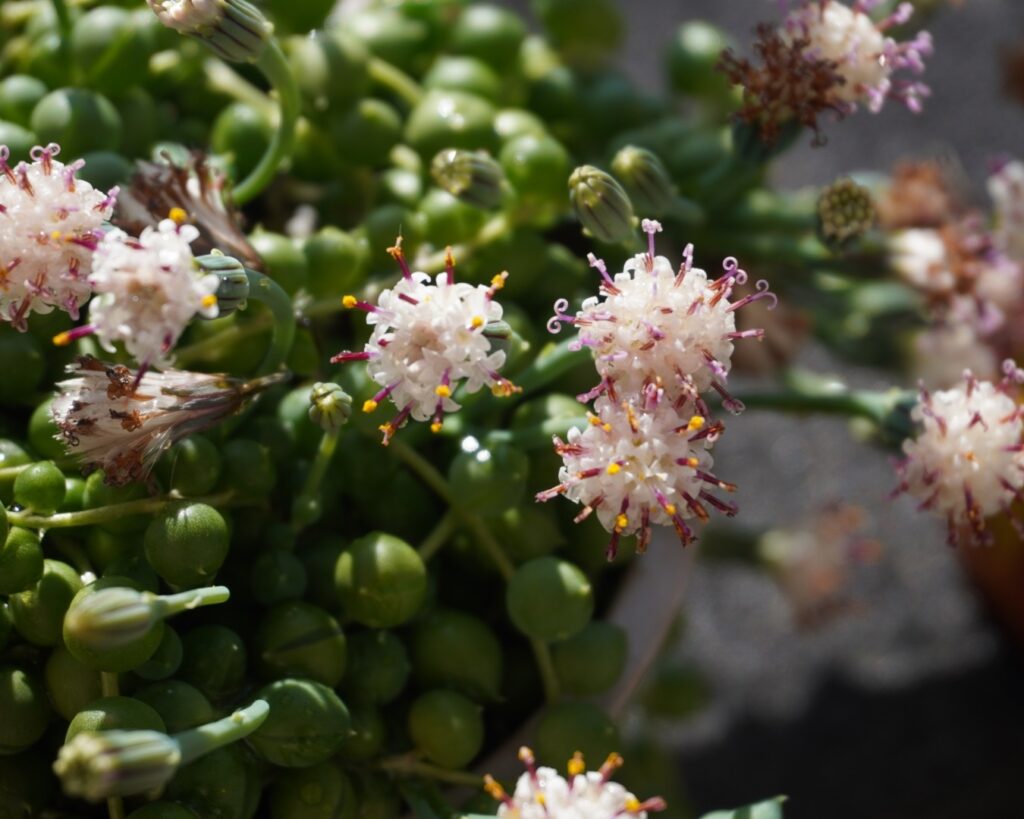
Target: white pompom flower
(640,464)
(147,291)
(542,793)
(50,224)
(863,53)
(967,463)
(429,338)
(655,325)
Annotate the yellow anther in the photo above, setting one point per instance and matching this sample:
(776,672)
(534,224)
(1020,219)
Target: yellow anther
(696,423)
(178,215)
(692,462)
(493,788)
(349,302)
(370,405)
(56,236)
(443,391)
(387,428)
(449,257)
(540,798)
(594,420)
(498,281)
(395,251)
(576,764)
(613,761)
(670,509)
(436,427)
(477,322)
(632,805)
(62,339)
(606,427)
(621,522)
(209,301)
(526,754)
(614,469)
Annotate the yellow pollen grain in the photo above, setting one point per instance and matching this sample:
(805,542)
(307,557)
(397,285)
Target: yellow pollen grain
(209,301)
(633,805)
(436,427)
(670,509)
(443,391)
(349,302)
(178,215)
(614,469)
(621,522)
(370,405)
(696,423)
(576,764)
(498,281)
(493,788)
(477,322)
(62,339)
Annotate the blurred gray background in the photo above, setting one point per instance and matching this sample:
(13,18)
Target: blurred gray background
(907,705)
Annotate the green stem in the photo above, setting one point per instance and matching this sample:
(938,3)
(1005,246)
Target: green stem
(206,738)
(64,24)
(311,488)
(12,471)
(438,536)
(223,79)
(105,514)
(275,68)
(108,684)
(170,604)
(415,767)
(546,667)
(394,79)
(264,289)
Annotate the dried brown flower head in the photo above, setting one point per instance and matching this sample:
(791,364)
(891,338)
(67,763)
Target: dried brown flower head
(787,84)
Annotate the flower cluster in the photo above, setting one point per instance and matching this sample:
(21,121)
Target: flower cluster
(429,338)
(661,339)
(827,56)
(972,279)
(119,420)
(967,462)
(542,793)
(50,222)
(148,289)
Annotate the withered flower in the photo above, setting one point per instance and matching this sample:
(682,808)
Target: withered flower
(112,418)
(197,188)
(786,85)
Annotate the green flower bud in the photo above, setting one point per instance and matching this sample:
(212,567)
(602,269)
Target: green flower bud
(846,212)
(234,30)
(330,406)
(118,616)
(602,205)
(645,178)
(233,289)
(97,766)
(473,177)
(116,763)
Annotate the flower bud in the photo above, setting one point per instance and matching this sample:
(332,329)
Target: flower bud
(330,406)
(645,178)
(601,204)
(470,176)
(233,289)
(845,212)
(99,765)
(118,616)
(235,30)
